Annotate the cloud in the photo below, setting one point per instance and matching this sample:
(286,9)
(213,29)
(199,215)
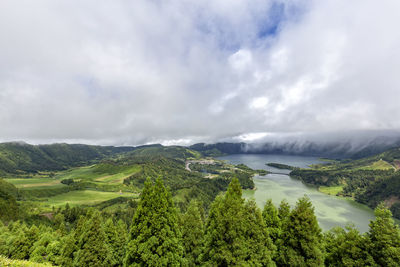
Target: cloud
(136,72)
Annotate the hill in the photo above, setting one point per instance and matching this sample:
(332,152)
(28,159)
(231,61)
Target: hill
(114,181)
(22,158)
(329,149)
(369,180)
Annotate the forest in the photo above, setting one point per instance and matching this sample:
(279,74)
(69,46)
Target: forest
(234,232)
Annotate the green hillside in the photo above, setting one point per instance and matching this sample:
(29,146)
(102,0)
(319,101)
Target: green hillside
(369,180)
(22,159)
(119,176)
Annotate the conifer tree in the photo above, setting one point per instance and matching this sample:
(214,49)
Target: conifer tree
(384,238)
(284,211)
(67,250)
(302,239)
(120,241)
(92,247)
(39,249)
(257,238)
(116,236)
(21,245)
(235,232)
(272,220)
(155,238)
(192,233)
(346,248)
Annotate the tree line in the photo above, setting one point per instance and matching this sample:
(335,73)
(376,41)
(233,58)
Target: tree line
(235,232)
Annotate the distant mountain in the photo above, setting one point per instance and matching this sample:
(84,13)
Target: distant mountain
(337,149)
(18,157)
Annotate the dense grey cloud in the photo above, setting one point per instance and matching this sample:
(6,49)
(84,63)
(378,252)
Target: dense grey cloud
(133,72)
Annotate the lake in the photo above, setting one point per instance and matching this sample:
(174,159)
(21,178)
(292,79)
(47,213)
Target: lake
(330,210)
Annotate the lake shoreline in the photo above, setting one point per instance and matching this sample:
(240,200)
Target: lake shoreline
(331,210)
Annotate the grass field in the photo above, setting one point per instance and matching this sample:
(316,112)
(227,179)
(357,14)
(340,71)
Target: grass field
(119,177)
(33,182)
(378,165)
(84,197)
(88,173)
(331,190)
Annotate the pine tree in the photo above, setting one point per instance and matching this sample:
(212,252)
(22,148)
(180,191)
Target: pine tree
(92,247)
(235,232)
(39,249)
(302,239)
(384,238)
(272,220)
(116,236)
(120,241)
(284,211)
(192,233)
(67,250)
(346,248)
(21,245)
(155,238)
(257,238)
(110,234)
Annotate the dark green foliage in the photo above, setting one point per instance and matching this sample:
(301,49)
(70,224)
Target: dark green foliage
(9,209)
(41,250)
(384,238)
(116,238)
(281,166)
(173,152)
(192,233)
(381,190)
(272,221)
(155,238)
(302,239)
(245,178)
(19,158)
(92,248)
(347,248)
(21,245)
(284,212)
(354,178)
(235,232)
(219,149)
(367,186)
(67,181)
(67,250)
(176,177)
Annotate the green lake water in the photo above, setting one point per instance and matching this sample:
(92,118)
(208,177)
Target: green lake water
(330,210)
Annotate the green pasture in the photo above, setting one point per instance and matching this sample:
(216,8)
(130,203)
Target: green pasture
(83,197)
(33,182)
(87,173)
(119,177)
(378,165)
(331,190)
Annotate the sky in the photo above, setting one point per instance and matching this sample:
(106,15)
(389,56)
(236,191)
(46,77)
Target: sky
(179,72)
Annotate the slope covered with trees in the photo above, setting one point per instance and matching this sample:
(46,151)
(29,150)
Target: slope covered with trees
(369,180)
(234,232)
(22,158)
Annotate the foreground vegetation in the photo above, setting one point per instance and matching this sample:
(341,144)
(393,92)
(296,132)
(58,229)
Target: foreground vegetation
(234,232)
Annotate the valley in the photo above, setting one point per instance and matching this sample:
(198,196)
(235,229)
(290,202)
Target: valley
(46,209)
